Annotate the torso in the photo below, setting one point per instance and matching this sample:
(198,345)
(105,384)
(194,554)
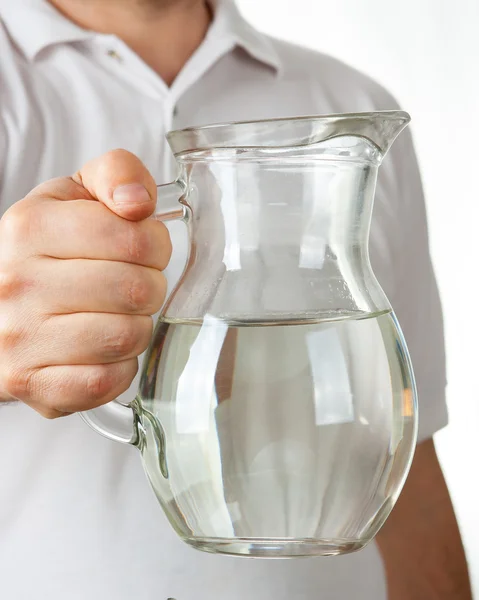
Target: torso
(76,515)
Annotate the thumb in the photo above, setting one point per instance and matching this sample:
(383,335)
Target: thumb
(121,181)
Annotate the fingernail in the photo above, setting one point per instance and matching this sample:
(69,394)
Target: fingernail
(132,193)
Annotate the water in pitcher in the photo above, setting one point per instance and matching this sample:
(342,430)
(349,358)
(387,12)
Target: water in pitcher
(270,435)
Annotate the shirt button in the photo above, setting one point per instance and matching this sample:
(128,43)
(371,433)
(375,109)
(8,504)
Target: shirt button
(175,111)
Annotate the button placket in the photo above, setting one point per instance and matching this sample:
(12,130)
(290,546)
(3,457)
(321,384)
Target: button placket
(169,113)
(117,53)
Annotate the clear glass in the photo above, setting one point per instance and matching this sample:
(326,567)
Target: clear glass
(276,414)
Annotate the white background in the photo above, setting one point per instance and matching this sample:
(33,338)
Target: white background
(426,52)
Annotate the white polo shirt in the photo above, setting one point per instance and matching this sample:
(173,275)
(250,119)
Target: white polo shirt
(77,518)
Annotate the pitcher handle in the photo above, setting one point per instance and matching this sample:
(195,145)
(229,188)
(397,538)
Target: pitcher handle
(114,420)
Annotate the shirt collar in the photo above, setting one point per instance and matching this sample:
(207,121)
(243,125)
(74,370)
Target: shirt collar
(35,25)
(229,22)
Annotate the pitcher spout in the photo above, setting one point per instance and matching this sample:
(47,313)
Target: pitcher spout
(380,128)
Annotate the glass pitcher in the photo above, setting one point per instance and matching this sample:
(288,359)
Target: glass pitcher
(276,414)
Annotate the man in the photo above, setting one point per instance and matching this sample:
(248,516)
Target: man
(81,271)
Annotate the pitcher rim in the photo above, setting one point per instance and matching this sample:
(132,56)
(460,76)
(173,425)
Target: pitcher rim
(380,127)
(392,114)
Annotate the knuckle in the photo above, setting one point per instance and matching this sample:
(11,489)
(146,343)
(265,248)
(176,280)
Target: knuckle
(138,293)
(136,244)
(16,225)
(99,383)
(143,291)
(16,382)
(17,332)
(10,338)
(11,283)
(124,341)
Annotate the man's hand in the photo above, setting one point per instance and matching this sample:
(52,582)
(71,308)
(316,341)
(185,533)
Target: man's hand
(80,277)
(420,542)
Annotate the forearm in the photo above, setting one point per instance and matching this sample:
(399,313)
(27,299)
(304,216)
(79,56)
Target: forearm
(420,543)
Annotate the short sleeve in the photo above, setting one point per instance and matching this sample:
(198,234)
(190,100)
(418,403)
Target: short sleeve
(3,145)
(3,160)
(413,292)
(3,153)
